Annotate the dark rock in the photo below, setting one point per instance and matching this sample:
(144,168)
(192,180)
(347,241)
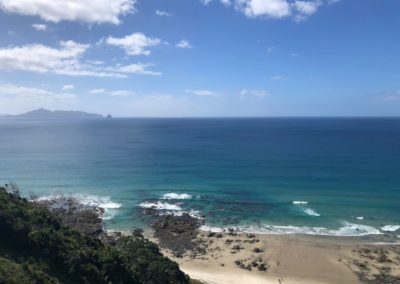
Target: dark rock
(262,267)
(254,263)
(85,219)
(237,247)
(257,250)
(177,233)
(382,257)
(231,232)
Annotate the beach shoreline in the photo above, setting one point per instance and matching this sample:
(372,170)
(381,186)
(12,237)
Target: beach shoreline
(231,258)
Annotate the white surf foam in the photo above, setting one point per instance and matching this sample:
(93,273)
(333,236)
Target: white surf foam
(296,202)
(390,228)
(173,195)
(159,205)
(104,202)
(192,213)
(306,210)
(347,230)
(165,208)
(360,218)
(207,228)
(311,212)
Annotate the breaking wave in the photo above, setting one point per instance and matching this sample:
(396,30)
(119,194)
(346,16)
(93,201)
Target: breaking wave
(306,210)
(165,208)
(86,201)
(311,212)
(173,195)
(159,205)
(347,230)
(296,202)
(390,228)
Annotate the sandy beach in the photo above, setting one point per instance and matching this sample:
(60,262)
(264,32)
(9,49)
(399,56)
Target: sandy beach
(248,258)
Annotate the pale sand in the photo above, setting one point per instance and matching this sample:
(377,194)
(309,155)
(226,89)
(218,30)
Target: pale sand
(289,258)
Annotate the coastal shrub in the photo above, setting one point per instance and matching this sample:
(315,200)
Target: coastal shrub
(35,247)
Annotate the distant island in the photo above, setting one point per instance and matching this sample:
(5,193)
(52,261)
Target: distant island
(46,114)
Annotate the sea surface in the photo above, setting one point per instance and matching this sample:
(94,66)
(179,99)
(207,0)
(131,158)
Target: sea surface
(328,176)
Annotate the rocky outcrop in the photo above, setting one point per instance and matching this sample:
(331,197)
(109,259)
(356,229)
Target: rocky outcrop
(85,219)
(177,233)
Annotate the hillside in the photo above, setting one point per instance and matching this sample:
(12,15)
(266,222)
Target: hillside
(35,247)
(45,114)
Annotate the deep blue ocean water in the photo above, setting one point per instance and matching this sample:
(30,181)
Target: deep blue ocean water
(337,176)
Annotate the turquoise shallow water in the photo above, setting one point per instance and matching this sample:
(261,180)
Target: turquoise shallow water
(245,172)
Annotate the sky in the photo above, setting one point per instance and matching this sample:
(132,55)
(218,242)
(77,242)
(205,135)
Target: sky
(201,58)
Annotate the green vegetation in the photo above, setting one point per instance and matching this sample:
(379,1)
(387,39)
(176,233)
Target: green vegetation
(35,247)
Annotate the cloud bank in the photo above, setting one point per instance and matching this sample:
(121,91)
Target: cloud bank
(89,11)
(64,60)
(299,9)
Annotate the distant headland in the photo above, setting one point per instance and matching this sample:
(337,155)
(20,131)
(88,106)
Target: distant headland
(46,114)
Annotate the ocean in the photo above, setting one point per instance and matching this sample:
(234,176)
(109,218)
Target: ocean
(326,176)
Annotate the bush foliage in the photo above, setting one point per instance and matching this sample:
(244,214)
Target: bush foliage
(35,247)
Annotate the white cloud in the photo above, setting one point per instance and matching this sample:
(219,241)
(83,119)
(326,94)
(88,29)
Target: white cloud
(89,11)
(98,91)
(298,9)
(270,8)
(95,62)
(14,98)
(122,93)
(163,13)
(203,93)
(40,27)
(226,2)
(253,93)
(307,7)
(184,44)
(10,90)
(134,44)
(270,49)
(137,68)
(116,93)
(68,87)
(65,60)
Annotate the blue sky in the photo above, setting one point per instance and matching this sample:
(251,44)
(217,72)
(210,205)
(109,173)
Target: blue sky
(201,58)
